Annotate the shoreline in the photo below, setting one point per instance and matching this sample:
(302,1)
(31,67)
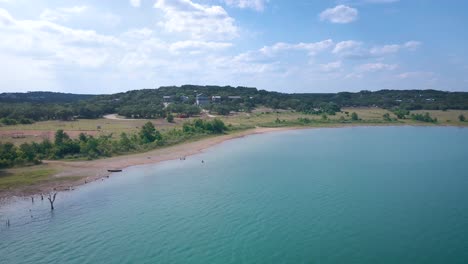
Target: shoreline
(93,170)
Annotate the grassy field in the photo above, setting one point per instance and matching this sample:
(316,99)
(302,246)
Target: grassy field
(259,117)
(16,177)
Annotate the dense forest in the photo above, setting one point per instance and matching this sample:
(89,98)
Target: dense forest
(149,103)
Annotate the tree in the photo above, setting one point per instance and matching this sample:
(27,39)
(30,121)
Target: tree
(148,133)
(461,118)
(170,118)
(51,199)
(354,116)
(386,117)
(218,126)
(8,154)
(28,153)
(401,113)
(60,137)
(125,142)
(222,109)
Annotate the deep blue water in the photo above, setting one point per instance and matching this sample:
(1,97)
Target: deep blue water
(349,195)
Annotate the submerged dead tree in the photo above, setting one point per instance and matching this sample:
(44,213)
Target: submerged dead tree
(52,200)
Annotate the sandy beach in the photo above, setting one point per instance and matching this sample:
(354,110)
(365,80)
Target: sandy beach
(89,171)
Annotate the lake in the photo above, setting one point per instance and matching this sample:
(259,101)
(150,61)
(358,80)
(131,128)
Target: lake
(344,195)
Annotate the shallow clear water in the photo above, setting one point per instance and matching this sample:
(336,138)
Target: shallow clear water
(349,195)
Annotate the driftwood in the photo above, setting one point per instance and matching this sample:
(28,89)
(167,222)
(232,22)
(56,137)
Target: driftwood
(51,199)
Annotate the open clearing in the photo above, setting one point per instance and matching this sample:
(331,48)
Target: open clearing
(115,125)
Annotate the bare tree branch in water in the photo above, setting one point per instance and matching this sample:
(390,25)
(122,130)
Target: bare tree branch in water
(52,200)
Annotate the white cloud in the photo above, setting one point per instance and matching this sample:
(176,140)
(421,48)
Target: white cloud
(340,14)
(135,3)
(350,49)
(411,45)
(258,5)
(86,14)
(415,74)
(196,20)
(311,48)
(47,41)
(394,48)
(381,1)
(196,47)
(331,66)
(62,14)
(374,67)
(20,72)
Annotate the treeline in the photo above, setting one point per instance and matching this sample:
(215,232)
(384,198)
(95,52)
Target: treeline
(90,147)
(149,103)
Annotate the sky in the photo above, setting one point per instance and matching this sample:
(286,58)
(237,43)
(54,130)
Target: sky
(109,46)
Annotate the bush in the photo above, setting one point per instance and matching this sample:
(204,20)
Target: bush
(170,118)
(423,118)
(461,118)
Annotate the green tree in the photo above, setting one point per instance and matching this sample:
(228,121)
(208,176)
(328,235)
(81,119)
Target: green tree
(125,142)
(387,117)
(27,152)
(218,126)
(461,118)
(60,137)
(8,154)
(148,133)
(354,116)
(170,118)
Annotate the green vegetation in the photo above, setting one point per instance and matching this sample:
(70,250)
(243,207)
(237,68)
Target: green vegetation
(23,177)
(354,116)
(401,113)
(170,118)
(386,117)
(19,108)
(462,118)
(423,118)
(103,146)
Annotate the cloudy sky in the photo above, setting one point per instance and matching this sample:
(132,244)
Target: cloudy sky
(107,46)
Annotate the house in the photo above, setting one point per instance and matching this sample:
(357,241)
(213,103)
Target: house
(202,99)
(184,98)
(216,99)
(234,97)
(167,99)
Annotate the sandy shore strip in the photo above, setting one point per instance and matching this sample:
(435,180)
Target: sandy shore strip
(89,171)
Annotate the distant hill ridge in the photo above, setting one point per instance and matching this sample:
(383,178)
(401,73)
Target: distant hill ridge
(45,97)
(158,103)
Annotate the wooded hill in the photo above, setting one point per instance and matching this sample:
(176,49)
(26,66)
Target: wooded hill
(148,103)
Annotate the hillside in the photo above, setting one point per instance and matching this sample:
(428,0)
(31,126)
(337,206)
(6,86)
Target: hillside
(149,103)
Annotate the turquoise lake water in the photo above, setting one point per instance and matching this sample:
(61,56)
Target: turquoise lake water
(349,195)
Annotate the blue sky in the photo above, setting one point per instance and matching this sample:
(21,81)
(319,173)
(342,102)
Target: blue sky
(108,46)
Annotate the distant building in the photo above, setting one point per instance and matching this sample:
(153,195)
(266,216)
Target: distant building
(216,99)
(184,98)
(167,99)
(234,97)
(202,99)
